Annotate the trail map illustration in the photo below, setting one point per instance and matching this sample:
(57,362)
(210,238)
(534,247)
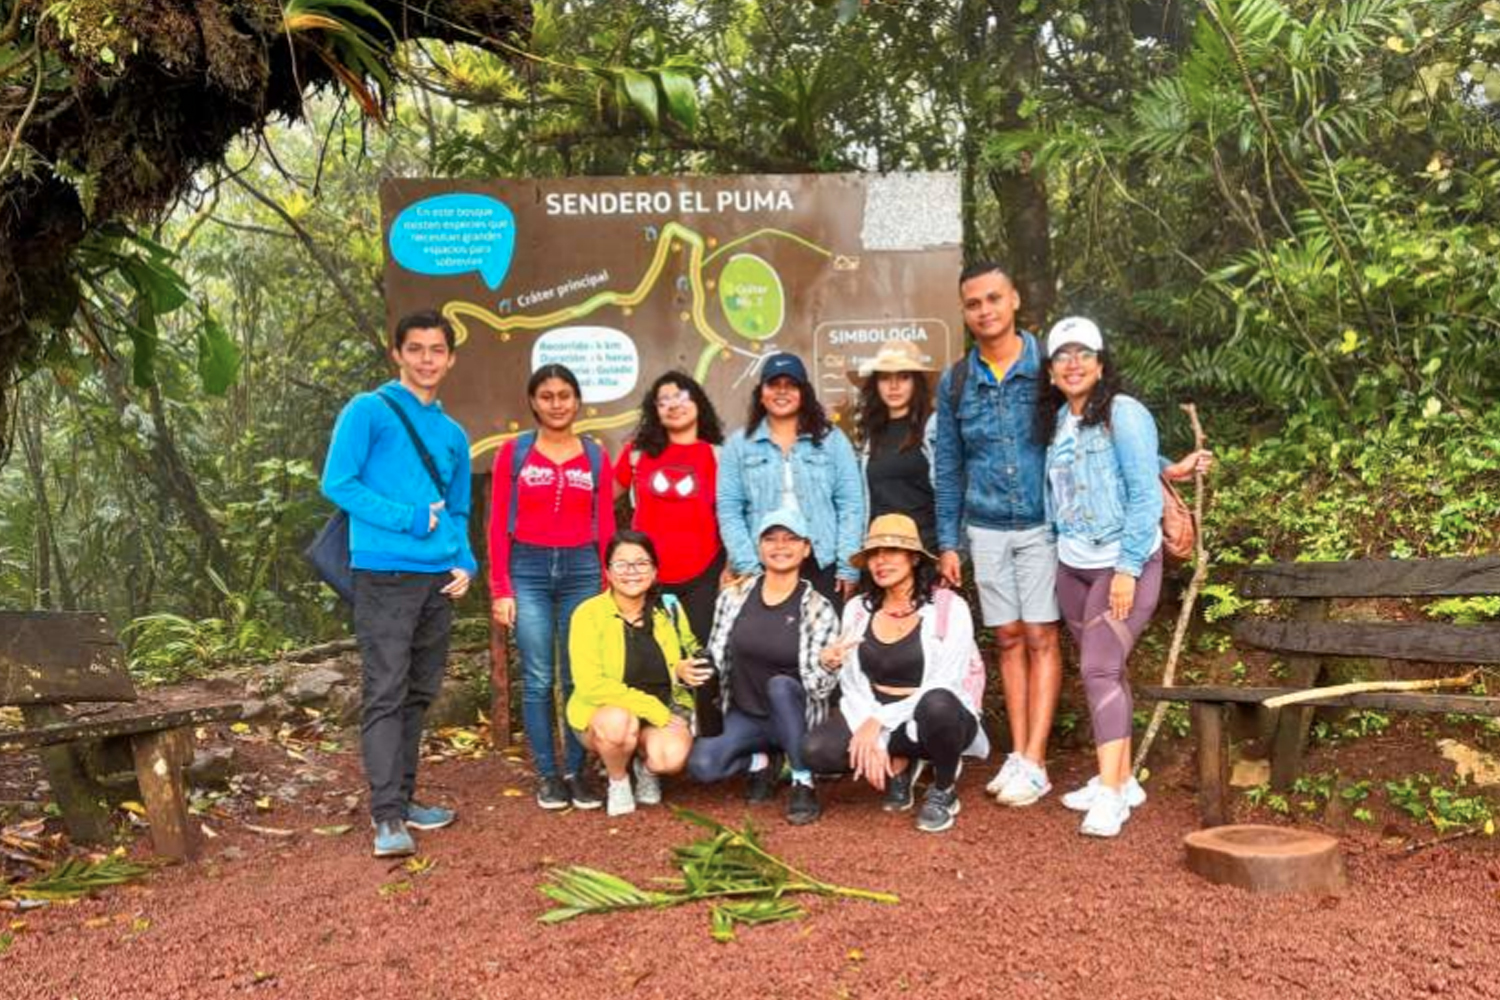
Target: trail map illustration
(622,279)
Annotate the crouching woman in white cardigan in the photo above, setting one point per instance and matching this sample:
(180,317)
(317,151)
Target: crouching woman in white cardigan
(909,688)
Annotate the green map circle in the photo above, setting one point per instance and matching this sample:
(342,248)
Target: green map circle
(751,294)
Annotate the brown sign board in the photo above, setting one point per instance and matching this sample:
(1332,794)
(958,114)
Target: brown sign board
(623,279)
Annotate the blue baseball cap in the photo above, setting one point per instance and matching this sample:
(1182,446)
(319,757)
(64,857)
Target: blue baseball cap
(783,364)
(785,517)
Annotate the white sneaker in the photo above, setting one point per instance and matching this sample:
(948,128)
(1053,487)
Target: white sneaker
(647,785)
(1107,814)
(1080,799)
(1027,785)
(1003,776)
(620,801)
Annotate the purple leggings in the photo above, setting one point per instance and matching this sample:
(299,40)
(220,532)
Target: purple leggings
(1103,643)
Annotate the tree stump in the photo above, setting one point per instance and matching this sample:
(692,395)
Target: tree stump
(1267,858)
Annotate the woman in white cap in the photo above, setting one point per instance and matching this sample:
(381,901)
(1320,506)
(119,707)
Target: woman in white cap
(1105,501)
(789,455)
(894,434)
(910,679)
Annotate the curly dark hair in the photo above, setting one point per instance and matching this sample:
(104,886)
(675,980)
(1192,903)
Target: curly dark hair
(925,582)
(651,437)
(1095,409)
(874,416)
(812,419)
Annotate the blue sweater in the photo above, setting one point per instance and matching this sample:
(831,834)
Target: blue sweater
(375,474)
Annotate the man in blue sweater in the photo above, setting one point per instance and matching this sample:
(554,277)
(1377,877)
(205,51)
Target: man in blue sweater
(409,548)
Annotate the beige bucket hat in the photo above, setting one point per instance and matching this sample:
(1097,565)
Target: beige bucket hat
(892,356)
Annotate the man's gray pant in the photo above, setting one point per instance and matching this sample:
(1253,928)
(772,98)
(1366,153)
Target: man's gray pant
(402,621)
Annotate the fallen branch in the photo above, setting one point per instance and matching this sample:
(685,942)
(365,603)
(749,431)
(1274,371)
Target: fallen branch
(1189,599)
(1487,827)
(1362,687)
(742,882)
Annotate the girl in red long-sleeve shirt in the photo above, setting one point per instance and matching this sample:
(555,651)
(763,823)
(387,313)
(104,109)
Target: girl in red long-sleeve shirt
(546,558)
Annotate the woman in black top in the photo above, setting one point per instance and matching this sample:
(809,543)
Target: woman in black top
(893,432)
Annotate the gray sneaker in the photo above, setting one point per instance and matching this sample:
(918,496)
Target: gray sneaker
(939,806)
(551,792)
(620,799)
(647,785)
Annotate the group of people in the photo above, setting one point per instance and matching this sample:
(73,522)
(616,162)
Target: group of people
(784,605)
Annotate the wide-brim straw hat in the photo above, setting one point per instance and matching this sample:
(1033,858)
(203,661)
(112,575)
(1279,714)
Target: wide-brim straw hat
(890,531)
(892,356)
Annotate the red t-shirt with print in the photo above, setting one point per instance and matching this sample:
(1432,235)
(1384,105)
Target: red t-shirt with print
(674,505)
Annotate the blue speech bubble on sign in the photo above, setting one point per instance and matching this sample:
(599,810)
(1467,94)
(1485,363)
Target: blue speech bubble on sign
(455,234)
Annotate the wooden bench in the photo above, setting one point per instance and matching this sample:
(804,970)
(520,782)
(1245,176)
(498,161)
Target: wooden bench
(53,661)
(1309,638)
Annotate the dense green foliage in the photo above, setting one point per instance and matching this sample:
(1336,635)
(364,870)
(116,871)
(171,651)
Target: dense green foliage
(1288,211)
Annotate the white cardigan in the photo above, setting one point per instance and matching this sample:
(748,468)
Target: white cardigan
(944,662)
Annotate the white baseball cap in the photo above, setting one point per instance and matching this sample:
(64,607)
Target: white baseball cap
(1074,330)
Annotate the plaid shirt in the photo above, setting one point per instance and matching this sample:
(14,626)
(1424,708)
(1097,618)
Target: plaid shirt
(819,626)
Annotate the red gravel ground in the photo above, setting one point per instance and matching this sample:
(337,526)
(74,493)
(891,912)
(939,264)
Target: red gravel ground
(1009,903)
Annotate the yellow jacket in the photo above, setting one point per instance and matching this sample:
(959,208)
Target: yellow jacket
(596,647)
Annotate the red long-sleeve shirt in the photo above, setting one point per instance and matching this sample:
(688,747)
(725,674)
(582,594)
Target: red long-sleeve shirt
(558,506)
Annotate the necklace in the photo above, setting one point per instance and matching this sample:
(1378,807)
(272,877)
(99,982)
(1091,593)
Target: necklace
(907,612)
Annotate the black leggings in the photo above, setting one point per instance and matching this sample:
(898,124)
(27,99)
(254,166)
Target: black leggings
(944,729)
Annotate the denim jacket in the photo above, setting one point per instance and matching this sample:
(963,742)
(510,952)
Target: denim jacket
(829,488)
(1117,472)
(989,465)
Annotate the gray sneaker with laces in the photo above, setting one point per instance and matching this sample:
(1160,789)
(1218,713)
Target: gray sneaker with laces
(939,807)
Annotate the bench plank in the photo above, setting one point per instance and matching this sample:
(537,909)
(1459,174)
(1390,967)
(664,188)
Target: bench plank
(118,725)
(1394,701)
(57,657)
(1373,578)
(1422,641)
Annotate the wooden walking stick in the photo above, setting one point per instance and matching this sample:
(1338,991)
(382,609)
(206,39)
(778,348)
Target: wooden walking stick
(1185,614)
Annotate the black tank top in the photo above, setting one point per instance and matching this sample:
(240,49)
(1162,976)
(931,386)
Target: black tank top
(892,664)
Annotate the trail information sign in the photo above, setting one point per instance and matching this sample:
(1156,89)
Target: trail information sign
(622,279)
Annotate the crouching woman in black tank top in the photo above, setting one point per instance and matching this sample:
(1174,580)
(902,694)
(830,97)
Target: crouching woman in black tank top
(907,692)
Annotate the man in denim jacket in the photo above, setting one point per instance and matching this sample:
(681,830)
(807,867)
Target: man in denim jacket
(991,496)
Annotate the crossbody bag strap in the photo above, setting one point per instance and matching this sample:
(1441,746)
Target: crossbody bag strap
(422,452)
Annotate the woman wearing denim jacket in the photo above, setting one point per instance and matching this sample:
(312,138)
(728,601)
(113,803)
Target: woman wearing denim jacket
(1104,499)
(789,456)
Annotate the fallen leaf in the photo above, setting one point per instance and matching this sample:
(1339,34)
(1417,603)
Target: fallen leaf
(134,808)
(140,925)
(239,727)
(94,923)
(332,831)
(856,955)
(395,888)
(419,865)
(513,793)
(208,831)
(270,831)
(263,803)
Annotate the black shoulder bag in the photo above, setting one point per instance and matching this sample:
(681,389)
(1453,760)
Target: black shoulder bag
(329,550)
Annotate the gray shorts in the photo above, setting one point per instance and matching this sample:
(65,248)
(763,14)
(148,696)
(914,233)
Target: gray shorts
(1015,573)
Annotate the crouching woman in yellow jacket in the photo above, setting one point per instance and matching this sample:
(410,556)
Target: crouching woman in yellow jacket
(631,649)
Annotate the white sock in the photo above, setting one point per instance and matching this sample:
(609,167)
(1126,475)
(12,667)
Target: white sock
(759,761)
(620,781)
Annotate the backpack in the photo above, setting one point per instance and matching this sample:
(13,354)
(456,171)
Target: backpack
(523,447)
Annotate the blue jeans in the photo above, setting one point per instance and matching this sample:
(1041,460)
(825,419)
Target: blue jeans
(719,757)
(549,584)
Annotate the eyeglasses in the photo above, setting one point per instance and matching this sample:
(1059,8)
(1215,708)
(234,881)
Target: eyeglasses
(1079,356)
(622,568)
(679,398)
